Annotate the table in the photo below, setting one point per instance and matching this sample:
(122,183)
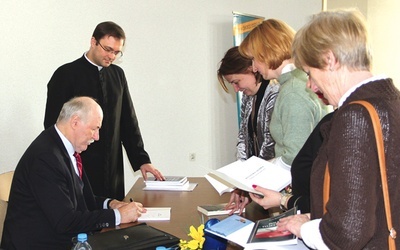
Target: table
(184,206)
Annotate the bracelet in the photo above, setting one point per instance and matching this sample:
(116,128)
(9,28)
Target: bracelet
(284,200)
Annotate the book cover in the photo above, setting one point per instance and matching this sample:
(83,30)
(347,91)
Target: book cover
(216,209)
(264,232)
(228,226)
(243,174)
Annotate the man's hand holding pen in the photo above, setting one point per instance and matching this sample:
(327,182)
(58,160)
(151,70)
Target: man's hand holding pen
(115,204)
(130,212)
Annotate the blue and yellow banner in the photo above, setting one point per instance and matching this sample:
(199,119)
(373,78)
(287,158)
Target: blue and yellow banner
(242,25)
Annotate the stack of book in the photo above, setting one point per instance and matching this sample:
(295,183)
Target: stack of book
(171,183)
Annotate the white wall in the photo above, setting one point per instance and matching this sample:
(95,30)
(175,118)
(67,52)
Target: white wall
(362,5)
(171,55)
(383,20)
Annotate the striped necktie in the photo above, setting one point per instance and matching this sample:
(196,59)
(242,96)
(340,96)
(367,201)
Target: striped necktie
(78,163)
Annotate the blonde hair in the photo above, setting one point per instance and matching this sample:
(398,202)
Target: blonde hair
(343,32)
(270,42)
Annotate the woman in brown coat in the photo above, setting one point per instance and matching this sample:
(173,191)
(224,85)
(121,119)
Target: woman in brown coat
(333,49)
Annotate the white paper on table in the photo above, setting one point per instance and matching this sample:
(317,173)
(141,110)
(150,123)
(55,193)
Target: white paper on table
(156,213)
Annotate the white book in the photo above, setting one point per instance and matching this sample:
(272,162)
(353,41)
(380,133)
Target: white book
(299,245)
(187,187)
(169,181)
(216,209)
(156,213)
(244,174)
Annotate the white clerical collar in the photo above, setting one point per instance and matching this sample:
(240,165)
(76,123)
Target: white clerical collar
(98,67)
(352,89)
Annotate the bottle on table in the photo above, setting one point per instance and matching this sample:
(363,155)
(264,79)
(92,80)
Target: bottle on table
(82,243)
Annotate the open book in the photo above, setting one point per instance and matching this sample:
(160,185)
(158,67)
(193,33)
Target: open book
(259,235)
(243,174)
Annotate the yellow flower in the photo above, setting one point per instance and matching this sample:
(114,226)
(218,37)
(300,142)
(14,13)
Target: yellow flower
(193,244)
(197,239)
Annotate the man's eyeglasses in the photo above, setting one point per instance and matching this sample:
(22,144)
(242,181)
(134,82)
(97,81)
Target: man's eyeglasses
(111,51)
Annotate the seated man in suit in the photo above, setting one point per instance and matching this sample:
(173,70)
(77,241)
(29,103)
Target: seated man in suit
(51,200)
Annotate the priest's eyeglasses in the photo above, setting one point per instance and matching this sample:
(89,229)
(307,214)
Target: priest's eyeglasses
(111,51)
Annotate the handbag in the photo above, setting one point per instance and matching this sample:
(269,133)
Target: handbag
(138,237)
(382,165)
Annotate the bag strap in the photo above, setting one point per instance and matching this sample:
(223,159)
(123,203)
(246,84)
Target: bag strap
(382,166)
(327,187)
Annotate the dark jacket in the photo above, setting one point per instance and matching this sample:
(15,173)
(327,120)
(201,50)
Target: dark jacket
(301,168)
(355,217)
(103,160)
(48,203)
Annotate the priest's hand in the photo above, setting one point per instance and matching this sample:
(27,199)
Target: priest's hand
(148,167)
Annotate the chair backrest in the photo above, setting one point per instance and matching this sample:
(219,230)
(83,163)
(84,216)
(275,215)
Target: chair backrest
(5,185)
(3,210)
